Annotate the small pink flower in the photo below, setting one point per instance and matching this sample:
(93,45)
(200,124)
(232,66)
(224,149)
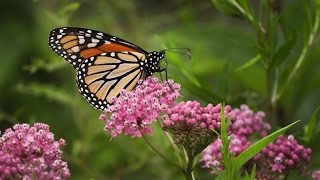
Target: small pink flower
(133,112)
(10,166)
(32,152)
(278,167)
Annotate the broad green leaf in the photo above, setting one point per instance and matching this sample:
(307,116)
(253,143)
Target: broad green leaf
(242,158)
(284,50)
(249,63)
(310,128)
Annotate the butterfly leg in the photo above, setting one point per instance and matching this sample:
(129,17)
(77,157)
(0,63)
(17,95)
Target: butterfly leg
(166,73)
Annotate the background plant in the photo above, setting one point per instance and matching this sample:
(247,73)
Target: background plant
(232,61)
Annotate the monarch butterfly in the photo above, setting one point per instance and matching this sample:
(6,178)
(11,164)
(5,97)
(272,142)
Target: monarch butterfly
(105,64)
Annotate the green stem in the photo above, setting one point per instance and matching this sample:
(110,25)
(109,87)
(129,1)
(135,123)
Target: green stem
(188,171)
(173,145)
(189,175)
(267,13)
(159,153)
(269,108)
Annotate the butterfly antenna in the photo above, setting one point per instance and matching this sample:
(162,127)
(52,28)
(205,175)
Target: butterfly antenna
(187,51)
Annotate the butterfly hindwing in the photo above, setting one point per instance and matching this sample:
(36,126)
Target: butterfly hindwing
(77,44)
(102,77)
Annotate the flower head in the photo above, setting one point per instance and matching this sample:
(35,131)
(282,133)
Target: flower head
(192,125)
(34,151)
(316,175)
(283,155)
(133,112)
(249,122)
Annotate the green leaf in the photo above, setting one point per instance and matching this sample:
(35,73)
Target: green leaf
(225,7)
(310,128)
(252,175)
(242,158)
(249,63)
(44,90)
(40,64)
(284,50)
(68,9)
(245,4)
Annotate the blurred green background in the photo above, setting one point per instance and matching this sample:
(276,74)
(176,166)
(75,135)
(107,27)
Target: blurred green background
(36,85)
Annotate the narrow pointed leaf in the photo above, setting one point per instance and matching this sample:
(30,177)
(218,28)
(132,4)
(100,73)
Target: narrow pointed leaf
(242,158)
(310,128)
(284,50)
(249,63)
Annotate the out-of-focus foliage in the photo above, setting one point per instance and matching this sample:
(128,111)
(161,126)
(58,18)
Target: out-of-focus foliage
(37,85)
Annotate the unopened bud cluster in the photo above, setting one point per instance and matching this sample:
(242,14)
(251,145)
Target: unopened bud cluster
(192,125)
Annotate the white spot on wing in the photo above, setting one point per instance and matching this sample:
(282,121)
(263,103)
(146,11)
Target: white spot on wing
(81,41)
(75,49)
(94,40)
(92,45)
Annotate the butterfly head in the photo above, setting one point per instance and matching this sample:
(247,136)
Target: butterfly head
(153,62)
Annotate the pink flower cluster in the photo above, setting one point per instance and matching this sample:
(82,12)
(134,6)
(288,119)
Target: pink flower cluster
(192,125)
(31,152)
(316,175)
(249,122)
(283,155)
(133,112)
(246,124)
(212,156)
(277,158)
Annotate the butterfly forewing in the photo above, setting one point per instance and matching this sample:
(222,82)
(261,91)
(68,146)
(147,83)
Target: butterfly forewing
(77,44)
(102,77)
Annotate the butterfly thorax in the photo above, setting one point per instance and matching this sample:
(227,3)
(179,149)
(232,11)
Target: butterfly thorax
(152,62)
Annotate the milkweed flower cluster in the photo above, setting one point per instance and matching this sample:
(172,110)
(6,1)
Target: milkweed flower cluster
(31,152)
(212,155)
(316,175)
(246,124)
(280,157)
(276,159)
(192,125)
(133,112)
(249,122)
